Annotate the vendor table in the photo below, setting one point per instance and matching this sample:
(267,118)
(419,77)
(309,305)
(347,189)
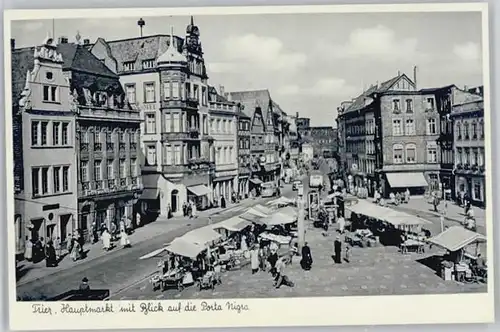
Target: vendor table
(410,243)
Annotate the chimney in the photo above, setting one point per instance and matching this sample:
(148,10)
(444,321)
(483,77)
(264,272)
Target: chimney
(465,88)
(415,76)
(297,115)
(63,40)
(12,43)
(86,42)
(399,73)
(221,90)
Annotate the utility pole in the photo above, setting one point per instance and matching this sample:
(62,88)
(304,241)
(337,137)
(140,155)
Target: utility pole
(300,221)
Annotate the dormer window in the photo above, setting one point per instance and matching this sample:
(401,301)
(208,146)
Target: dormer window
(129,65)
(148,64)
(50,94)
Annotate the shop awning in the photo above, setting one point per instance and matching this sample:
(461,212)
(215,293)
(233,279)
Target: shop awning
(234,224)
(199,190)
(278,218)
(262,209)
(181,247)
(257,212)
(281,201)
(150,193)
(456,238)
(251,217)
(410,180)
(398,218)
(256,181)
(202,236)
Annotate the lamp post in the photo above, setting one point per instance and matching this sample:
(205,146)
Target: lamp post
(141,23)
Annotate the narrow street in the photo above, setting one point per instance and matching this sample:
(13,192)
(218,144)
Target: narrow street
(121,268)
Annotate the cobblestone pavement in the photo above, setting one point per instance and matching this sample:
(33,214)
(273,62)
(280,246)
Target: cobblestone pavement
(372,271)
(118,268)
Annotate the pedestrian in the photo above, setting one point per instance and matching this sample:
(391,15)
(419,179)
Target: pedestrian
(341,221)
(223,202)
(50,254)
(81,242)
(190,210)
(28,249)
(407,195)
(113,231)
(254,258)
(169,211)
(57,247)
(184,209)
(194,210)
(84,286)
(75,252)
(338,250)
(128,225)
(306,261)
(272,259)
(244,244)
(122,225)
(124,240)
(69,244)
(106,239)
(95,234)
(292,252)
(348,253)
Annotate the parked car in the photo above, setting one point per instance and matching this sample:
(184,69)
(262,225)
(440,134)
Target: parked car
(295,185)
(269,189)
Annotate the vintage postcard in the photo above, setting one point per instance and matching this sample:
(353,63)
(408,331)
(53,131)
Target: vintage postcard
(263,166)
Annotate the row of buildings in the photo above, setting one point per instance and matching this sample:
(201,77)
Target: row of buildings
(133,128)
(395,136)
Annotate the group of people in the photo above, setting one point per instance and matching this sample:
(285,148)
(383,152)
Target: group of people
(108,237)
(189,210)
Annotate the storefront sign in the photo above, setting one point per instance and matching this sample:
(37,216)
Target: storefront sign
(50,207)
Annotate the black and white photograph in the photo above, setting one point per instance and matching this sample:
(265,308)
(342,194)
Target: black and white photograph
(197,157)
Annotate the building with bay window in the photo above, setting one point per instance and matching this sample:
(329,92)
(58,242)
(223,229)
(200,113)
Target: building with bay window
(165,78)
(45,159)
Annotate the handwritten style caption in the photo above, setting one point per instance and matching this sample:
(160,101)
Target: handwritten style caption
(145,308)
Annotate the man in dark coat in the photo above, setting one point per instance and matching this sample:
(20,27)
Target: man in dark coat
(306,261)
(338,250)
(50,255)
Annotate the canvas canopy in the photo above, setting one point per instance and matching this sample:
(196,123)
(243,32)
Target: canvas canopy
(401,180)
(257,212)
(278,218)
(290,211)
(251,217)
(202,236)
(182,247)
(263,209)
(281,201)
(456,238)
(234,224)
(398,218)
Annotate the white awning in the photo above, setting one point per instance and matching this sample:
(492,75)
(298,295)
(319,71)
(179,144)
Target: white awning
(456,238)
(199,190)
(410,180)
(150,193)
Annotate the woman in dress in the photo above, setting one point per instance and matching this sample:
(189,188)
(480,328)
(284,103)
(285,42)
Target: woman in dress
(75,252)
(254,258)
(106,240)
(124,240)
(28,250)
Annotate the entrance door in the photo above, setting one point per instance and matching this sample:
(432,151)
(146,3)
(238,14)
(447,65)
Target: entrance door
(63,227)
(35,229)
(49,234)
(174,198)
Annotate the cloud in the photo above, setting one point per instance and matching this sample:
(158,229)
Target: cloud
(258,52)
(325,87)
(376,43)
(468,51)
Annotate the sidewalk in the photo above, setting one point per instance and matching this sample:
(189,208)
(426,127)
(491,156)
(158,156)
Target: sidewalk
(29,271)
(453,213)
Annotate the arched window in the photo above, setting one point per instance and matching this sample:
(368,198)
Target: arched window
(397,152)
(411,153)
(466,130)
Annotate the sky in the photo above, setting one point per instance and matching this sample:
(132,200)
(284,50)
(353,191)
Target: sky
(309,62)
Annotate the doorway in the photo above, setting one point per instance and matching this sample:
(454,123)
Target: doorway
(63,226)
(36,225)
(174,198)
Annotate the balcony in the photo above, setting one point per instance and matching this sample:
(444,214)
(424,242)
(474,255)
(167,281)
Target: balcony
(194,132)
(84,147)
(110,146)
(179,103)
(165,137)
(97,147)
(99,185)
(111,184)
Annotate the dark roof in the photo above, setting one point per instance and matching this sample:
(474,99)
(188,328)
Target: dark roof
(433,90)
(253,99)
(242,115)
(75,57)
(140,49)
(359,102)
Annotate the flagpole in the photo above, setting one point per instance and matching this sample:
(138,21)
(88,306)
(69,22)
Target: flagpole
(53,28)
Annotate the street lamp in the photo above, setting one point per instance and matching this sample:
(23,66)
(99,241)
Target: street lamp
(141,23)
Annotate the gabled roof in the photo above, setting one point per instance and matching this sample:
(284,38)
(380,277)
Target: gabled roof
(433,90)
(359,102)
(140,49)
(253,99)
(75,57)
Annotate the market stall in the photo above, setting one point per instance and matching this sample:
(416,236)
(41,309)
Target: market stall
(234,224)
(204,236)
(263,209)
(282,201)
(463,260)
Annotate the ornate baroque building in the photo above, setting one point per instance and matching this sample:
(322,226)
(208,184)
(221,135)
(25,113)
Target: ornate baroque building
(165,78)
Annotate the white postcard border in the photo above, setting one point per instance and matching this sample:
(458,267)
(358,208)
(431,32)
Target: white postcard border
(320,311)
